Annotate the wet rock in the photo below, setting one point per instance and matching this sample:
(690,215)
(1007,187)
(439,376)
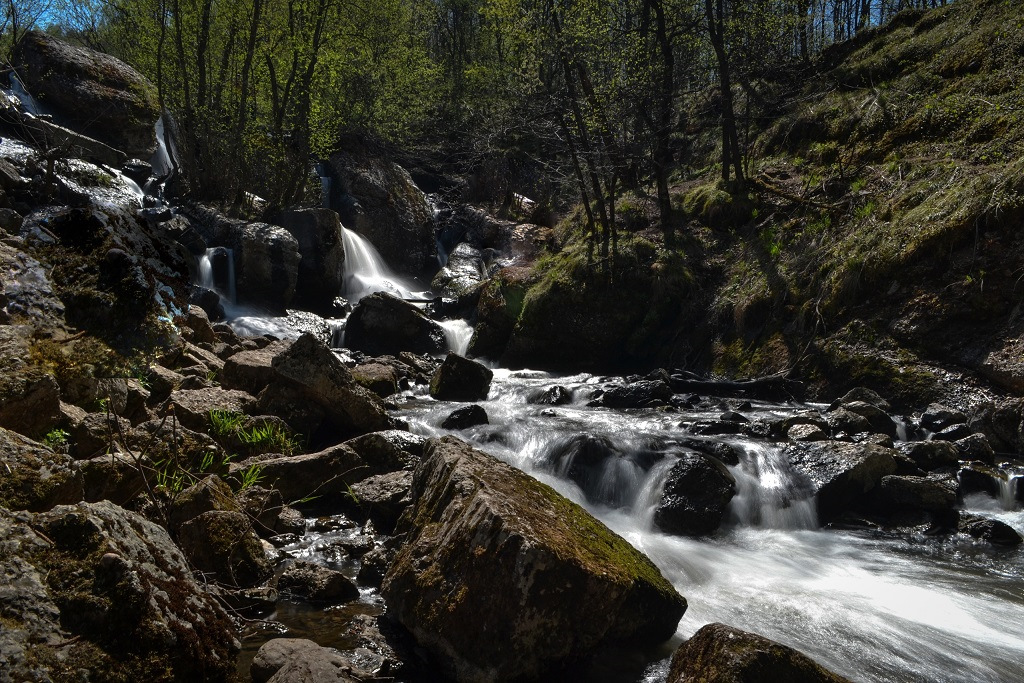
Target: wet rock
(212,493)
(322,266)
(839,474)
(379,378)
(383,498)
(640,394)
(461,277)
(224,544)
(584,460)
(248,602)
(953,433)
(378,199)
(374,566)
(552,396)
(847,422)
(931,494)
(930,455)
(991,530)
(937,417)
(733,416)
(117,477)
(460,379)
(465,417)
(199,322)
(806,432)
(380,648)
(269,514)
(325,473)
(251,371)
(695,496)
(102,587)
(976,477)
(192,407)
(29,292)
(498,308)
(34,477)
(297,660)
(863,395)
(266,265)
(975,447)
(317,584)
(530,580)
(722,654)
(1002,424)
(727,453)
(382,324)
(319,378)
(92,92)
(878,419)
(707,428)
(389,450)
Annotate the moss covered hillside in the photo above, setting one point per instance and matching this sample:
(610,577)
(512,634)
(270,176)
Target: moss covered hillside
(877,238)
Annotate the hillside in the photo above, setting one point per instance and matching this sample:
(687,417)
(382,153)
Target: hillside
(876,243)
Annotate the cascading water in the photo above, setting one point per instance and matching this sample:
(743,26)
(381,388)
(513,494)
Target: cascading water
(28,103)
(871,608)
(366,272)
(216,271)
(458,333)
(1008,491)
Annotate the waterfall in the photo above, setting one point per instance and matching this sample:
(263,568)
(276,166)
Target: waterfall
(162,160)
(221,281)
(28,103)
(458,334)
(366,272)
(1008,491)
(768,493)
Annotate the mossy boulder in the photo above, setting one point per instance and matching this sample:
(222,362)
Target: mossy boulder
(33,477)
(498,308)
(722,654)
(501,578)
(93,93)
(94,592)
(224,544)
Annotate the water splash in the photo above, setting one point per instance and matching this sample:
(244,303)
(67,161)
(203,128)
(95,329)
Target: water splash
(457,333)
(366,271)
(208,278)
(769,493)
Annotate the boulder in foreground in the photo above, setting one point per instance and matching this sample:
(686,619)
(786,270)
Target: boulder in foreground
(460,379)
(722,654)
(504,579)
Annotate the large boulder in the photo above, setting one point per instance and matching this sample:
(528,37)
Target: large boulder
(460,379)
(722,654)
(839,474)
(377,198)
(33,477)
(252,370)
(318,376)
(461,277)
(384,325)
(325,473)
(297,660)
(529,581)
(317,584)
(499,306)
(695,496)
(93,591)
(321,270)
(224,544)
(29,398)
(93,93)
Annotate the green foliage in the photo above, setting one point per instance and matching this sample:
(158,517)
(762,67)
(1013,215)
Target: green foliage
(225,422)
(269,437)
(251,476)
(57,440)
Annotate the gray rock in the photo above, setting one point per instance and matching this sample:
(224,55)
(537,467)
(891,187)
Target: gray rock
(806,432)
(322,267)
(991,530)
(847,422)
(517,566)
(864,395)
(251,371)
(117,477)
(878,419)
(382,324)
(975,447)
(465,417)
(930,455)
(192,407)
(199,322)
(839,474)
(931,494)
(326,473)
(383,498)
(224,544)
(34,477)
(637,395)
(460,379)
(96,584)
(379,378)
(695,496)
(297,660)
(31,296)
(316,584)
(937,417)
(388,451)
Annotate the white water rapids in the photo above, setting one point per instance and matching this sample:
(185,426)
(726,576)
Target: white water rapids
(873,608)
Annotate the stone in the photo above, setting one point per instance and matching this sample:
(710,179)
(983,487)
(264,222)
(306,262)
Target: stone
(839,474)
(878,419)
(461,277)
(379,378)
(266,265)
(975,447)
(460,379)
(325,473)
(382,324)
(552,396)
(382,498)
(269,514)
(30,294)
(323,380)
(465,417)
(322,264)
(864,395)
(96,433)
(918,493)
(29,403)
(695,496)
(1003,424)
(953,433)
(251,371)
(211,493)
(34,477)
(98,590)
(378,199)
(380,648)
(976,477)
(192,407)
(726,453)
(991,530)
(937,417)
(117,477)
(199,322)
(637,395)
(389,450)
(11,221)
(162,381)
(806,432)
(930,455)
(297,660)
(499,305)
(316,584)
(224,544)
(844,421)
(530,581)
(92,92)
(722,654)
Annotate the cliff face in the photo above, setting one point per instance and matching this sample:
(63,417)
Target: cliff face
(876,240)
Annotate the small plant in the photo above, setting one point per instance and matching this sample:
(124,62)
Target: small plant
(251,476)
(267,438)
(225,422)
(57,440)
(862,213)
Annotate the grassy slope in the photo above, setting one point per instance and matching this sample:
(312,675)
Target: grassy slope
(884,240)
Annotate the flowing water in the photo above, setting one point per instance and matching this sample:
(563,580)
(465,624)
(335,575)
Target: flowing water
(872,607)
(366,272)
